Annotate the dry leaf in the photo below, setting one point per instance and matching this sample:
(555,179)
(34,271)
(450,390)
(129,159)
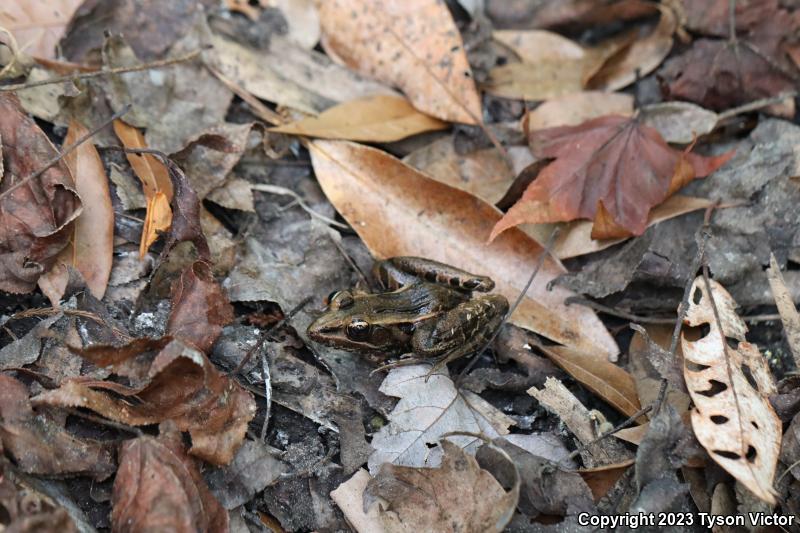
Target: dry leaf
(159,488)
(458,496)
(381,118)
(783,299)
(621,171)
(38,25)
(575,239)
(733,419)
(414,45)
(91,246)
(640,58)
(302,18)
(156,184)
(35,216)
(399,211)
(179,383)
(428,409)
(601,479)
(679,122)
(349,497)
(607,380)
(572,109)
(40,446)
(551,66)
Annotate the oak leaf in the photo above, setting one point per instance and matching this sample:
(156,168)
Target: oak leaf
(611,170)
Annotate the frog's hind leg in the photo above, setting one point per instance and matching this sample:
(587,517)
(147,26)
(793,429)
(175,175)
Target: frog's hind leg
(405,270)
(460,331)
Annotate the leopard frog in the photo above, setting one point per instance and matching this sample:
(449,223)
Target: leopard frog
(425,307)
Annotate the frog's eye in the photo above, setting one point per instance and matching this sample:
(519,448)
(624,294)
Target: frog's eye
(340,300)
(357,329)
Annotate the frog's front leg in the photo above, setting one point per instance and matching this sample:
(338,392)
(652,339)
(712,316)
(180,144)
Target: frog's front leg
(396,272)
(461,330)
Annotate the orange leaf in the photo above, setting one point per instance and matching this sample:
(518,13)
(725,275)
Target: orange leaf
(413,45)
(156,184)
(90,250)
(612,159)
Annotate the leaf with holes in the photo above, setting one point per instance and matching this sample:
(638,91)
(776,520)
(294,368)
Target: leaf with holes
(729,386)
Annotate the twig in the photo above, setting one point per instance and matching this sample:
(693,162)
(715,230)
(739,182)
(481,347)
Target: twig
(266,333)
(66,152)
(754,105)
(619,427)
(539,263)
(619,313)
(274,189)
(104,421)
(267,393)
(98,73)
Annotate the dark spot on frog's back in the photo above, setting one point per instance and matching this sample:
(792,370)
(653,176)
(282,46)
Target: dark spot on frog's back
(455,281)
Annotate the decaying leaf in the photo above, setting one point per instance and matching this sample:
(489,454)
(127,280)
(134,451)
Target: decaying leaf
(38,25)
(429,219)
(26,509)
(621,171)
(733,418)
(39,445)
(159,488)
(679,122)
(411,45)
(91,245)
(35,214)
(429,408)
(179,383)
(457,496)
(156,184)
(382,118)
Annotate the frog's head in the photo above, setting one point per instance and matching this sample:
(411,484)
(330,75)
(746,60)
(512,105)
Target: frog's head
(355,323)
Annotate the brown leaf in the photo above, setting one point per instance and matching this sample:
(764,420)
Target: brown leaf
(467,498)
(399,211)
(38,25)
(35,217)
(602,479)
(783,300)
(40,446)
(719,74)
(156,184)
(200,309)
(381,118)
(179,384)
(27,510)
(607,380)
(159,488)
(733,418)
(621,165)
(91,246)
(415,46)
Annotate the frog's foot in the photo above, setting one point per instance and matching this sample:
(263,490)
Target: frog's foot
(402,362)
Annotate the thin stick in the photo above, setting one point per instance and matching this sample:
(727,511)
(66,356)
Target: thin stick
(754,105)
(98,73)
(267,393)
(619,427)
(606,310)
(539,263)
(283,191)
(66,152)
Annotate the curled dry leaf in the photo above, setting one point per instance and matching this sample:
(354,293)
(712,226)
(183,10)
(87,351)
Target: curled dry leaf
(733,418)
(178,384)
(428,409)
(91,246)
(35,214)
(200,308)
(38,25)
(159,488)
(551,66)
(381,118)
(458,496)
(621,171)
(39,445)
(156,184)
(572,109)
(640,58)
(411,45)
(399,211)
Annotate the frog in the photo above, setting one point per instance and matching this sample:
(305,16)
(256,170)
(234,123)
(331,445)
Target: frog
(423,307)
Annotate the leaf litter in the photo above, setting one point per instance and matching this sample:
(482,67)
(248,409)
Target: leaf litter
(277,149)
